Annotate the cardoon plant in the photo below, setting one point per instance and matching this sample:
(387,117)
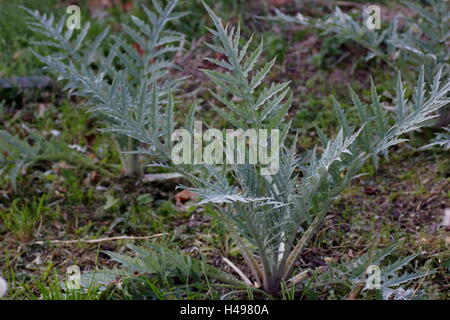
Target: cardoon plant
(272,217)
(91,68)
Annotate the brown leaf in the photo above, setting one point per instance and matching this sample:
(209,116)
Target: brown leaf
(370,191)
(92,178)
(138,48)
(58,166)
(211,66)
(279,3)
(90,138)
(126,6)
(184,196)
(42,108)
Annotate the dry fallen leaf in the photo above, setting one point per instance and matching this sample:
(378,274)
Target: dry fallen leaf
(184,196)
(329,259)
(370,191)
(280,2)
(42,108)
(138,48)
(92,178)
(127,6)
(211,66)
(61,165)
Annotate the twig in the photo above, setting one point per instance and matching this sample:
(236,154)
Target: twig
(99,240)
(300,277)
(306,274)
(238,271)
(160,176)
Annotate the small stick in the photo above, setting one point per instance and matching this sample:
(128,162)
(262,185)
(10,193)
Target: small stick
(99,240)
(238,271)
(300,277)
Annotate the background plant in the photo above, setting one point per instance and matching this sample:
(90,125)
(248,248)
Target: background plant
(424,42)
(442,139)
(353,275)
(19,154)
(91,68)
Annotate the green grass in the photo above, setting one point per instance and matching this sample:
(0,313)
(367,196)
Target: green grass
(22,219)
